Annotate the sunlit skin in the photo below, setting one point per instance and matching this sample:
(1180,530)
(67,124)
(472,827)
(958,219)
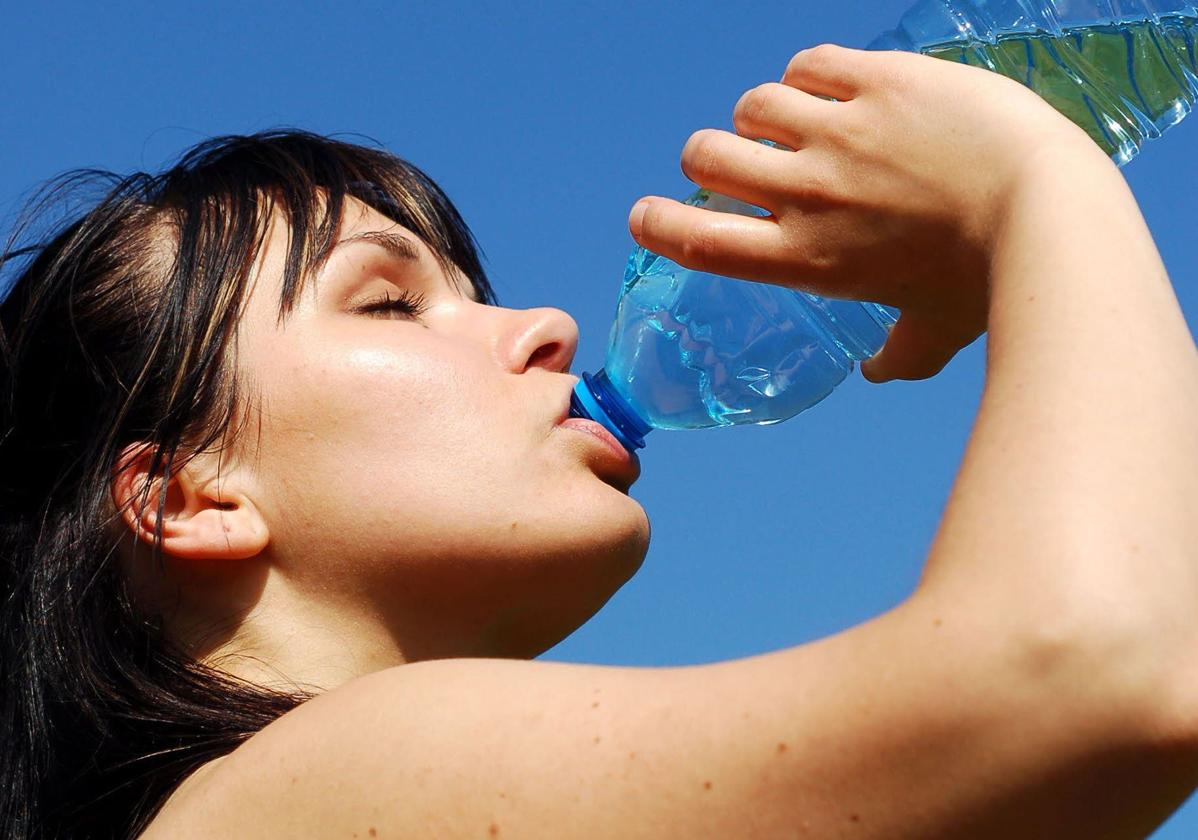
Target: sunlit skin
(402,489)
(1045,654)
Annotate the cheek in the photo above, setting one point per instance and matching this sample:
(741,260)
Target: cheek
(380,428)
(410,458)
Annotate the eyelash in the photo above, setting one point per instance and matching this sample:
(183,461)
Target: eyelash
(408,303)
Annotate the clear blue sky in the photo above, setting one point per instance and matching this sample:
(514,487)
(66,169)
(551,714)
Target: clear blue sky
(545,121)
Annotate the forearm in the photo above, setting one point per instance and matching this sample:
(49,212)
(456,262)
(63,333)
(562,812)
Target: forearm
(1075,503)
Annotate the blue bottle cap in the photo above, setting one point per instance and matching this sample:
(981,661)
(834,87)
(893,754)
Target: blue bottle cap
(594,399)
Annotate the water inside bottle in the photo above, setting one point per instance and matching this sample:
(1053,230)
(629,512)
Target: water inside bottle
(1122,82)
(693,350)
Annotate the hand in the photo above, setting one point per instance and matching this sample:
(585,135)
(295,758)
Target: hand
(896,193)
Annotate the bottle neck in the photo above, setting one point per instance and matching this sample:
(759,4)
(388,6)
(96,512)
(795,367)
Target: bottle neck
(595,398)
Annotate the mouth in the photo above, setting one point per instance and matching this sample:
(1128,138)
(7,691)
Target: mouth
(617,463)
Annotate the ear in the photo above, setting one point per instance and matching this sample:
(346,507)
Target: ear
(201,520)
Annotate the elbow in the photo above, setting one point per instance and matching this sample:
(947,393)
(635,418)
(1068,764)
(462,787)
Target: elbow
(1136,680)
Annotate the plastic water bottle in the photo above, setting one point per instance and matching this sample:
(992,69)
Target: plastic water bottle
(691,350)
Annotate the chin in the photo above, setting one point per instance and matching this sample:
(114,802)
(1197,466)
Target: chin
(591,559)
(614,534)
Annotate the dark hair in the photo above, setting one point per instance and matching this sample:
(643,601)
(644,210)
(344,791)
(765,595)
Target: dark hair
(118,330)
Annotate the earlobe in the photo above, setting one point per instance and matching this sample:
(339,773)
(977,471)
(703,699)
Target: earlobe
(200,521)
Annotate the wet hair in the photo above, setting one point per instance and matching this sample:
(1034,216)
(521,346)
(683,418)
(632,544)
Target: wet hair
(119,328)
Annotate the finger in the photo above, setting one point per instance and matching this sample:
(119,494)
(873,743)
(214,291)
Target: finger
(741,168)
(783,114)
(828,70)
(915,349)
(704,240)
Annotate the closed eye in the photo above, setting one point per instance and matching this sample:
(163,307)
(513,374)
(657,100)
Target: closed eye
(408,304)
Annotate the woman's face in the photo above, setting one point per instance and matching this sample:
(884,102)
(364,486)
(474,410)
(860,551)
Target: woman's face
(411,465)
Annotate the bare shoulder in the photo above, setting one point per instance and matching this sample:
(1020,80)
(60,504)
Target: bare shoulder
(872,731)
(456,748)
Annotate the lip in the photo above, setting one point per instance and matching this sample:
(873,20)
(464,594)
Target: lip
(629,463)
(596,429)
(618,454)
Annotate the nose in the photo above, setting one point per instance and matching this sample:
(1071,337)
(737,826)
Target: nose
(543,337)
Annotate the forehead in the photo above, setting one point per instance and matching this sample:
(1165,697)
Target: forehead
(358,220)
(358,217)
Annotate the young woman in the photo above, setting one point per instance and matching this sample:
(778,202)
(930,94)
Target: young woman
(287,503)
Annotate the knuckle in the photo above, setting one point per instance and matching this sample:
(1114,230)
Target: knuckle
(818,259)
(824,186)
(842,134)
(814,61)
(817,184)
(896,76)
(698,247)
(823,54)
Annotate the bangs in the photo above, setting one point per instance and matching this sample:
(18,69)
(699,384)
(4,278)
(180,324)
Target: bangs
(227,189)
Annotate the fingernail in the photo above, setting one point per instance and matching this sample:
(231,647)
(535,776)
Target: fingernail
(637,216)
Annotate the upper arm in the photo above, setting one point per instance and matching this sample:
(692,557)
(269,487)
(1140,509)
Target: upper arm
(901,727)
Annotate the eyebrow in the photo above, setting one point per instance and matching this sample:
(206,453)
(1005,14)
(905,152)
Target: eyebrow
(397,246)
(400,247)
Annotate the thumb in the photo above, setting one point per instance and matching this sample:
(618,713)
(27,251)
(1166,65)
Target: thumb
(915,349)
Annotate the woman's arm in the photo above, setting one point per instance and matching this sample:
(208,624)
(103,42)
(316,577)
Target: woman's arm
(916,725)
(1075,513)
(1077,500)
(1076,506)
